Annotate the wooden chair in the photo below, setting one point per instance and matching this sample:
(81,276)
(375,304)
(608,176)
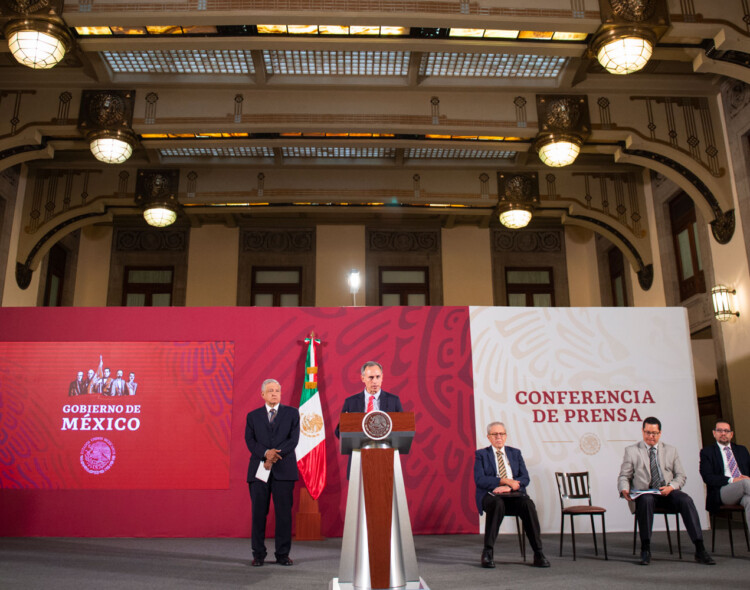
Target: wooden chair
(727,511)
(575,486)
(666,513)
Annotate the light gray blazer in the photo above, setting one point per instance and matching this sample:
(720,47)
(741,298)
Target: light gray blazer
(635,472)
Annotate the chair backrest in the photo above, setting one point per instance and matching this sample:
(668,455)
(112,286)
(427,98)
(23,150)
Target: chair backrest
(573,486)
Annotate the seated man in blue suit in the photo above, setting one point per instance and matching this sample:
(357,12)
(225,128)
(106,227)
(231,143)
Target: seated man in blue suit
(501,478)
(271,435)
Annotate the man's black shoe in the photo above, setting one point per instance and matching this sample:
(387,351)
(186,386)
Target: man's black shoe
(540,560)
(257,561)
(284,560)
(645,557)
(487,560)
(704,558)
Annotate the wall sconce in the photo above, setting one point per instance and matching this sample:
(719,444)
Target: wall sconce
(156,194)
(105,118)
(37,36)
(625,41)
(564,126)
(518,196)
(354,283)
(722,298)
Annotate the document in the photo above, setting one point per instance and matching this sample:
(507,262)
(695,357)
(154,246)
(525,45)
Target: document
(262,473)
(635,493)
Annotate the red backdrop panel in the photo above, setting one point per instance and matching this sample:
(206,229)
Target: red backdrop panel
(58,433)
(426,355)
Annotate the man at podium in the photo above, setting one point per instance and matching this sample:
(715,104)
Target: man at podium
(373,397)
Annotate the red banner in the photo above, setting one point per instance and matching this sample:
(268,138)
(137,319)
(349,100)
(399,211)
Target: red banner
(115,415)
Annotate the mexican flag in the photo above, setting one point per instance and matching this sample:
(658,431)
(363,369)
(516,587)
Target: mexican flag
(311,449)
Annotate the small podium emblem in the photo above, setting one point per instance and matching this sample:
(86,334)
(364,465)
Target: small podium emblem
(377,425)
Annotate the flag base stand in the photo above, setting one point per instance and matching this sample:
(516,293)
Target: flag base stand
(308,518)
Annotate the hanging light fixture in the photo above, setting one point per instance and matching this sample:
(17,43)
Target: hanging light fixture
(105,118)
(722,299)
(112,146)
(37,44)
(624,51)
(518,196)
(563,127)
(37,36)
(156,194)
(558,150)
(625,41)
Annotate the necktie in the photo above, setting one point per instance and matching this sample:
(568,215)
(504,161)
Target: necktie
(731,462)
(271,415)
(655,479)
(501,465)
(371,403)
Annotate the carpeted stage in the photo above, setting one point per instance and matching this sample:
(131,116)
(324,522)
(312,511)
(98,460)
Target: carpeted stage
(446,562)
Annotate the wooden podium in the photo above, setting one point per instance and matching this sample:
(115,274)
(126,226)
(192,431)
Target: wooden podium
(377,549)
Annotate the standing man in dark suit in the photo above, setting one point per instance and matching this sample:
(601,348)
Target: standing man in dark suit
(653,465)
(271,435)
(501,478)
(372,398)
(725,468)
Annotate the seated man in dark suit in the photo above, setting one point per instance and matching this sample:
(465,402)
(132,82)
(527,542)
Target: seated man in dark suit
(725,468)
(501,478)
(271,435)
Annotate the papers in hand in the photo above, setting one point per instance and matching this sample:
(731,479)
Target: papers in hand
(263,473)
(635,493)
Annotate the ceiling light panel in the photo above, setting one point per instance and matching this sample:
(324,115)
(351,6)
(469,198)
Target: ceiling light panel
(337,63)
(337,152)
(458,153)
(493,65)
(223,152)
(180,61)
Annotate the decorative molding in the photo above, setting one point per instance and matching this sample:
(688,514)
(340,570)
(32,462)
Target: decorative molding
(646,277)
(736,97)
(723,227)
(278,240)
(526,240)
(150,240)
(403,241)
(724,220)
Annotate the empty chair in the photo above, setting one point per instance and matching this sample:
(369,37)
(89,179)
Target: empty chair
(575,486)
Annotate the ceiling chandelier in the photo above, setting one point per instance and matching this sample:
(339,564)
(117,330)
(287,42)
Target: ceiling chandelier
(518,196)
(156,194)
(564,125)
(37,44)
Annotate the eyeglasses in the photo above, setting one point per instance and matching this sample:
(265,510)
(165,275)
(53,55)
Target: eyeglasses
(722,430)
(652,433)
(498,434)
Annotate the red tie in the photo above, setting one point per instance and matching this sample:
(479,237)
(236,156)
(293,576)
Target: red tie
(371,403)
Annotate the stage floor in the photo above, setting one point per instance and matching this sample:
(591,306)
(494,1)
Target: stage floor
(446,562)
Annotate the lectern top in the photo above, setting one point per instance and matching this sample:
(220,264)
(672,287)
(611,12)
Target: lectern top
(352,436)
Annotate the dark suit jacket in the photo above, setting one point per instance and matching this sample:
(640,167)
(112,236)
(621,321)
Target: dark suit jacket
(712,471)
(283,434)
(485,471)
(356,403)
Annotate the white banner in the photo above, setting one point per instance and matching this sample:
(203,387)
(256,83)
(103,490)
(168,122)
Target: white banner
(573,385)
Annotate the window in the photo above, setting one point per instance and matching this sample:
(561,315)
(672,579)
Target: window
(277,286)
(529,287)
(148,286)
(53,290)
(686,246)
(617,277)
(404,286)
